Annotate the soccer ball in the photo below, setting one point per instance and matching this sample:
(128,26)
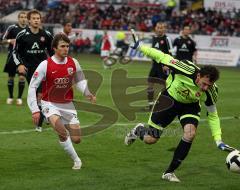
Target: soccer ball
(233,161)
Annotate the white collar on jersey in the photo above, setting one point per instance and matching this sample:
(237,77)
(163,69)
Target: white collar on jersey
(59,62)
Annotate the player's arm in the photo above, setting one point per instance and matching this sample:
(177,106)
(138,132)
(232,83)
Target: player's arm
(170,46)
(174,49)
(49,39)
(81,83)
(194,58)
(160,57)
(170,51)
(214,122)
(167,60)
(38,76)
(7,36)
(213,119)
(18,53)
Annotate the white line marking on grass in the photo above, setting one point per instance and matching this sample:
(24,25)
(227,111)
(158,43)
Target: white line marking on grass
(22,131)
(117,124)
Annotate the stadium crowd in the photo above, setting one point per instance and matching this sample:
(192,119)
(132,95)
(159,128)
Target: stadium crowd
(206,22)
(7,6)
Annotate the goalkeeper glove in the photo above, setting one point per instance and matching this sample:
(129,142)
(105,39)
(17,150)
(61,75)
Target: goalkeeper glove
(222,146)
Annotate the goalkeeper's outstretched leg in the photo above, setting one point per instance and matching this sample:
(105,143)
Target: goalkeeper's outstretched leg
(148,135)
(160,118)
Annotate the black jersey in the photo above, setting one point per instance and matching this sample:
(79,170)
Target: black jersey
(11,33)
(31,49)
(164,44)
(185,48)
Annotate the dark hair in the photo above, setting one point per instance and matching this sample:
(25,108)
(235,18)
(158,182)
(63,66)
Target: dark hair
(21,13)
(59,37)
(186,25)
(161,23)
(66,21)
(209,71)
(33,11)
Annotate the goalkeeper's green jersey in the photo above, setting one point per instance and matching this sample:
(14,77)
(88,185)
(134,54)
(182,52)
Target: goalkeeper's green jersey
(181,85)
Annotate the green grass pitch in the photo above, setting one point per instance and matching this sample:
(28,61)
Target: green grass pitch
(30,160)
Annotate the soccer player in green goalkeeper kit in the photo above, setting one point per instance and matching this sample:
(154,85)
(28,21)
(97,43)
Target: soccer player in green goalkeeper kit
(186,87)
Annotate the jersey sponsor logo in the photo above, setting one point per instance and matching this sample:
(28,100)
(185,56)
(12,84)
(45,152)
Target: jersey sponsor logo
(161,42)
(156,45)
(184,93)
(36,51)
(70,70)
(184,46)
(61,82)
(35,45)
(42,39)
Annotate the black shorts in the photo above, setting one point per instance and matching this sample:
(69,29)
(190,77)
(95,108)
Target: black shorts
(157,72)
(10,66)
(166,109)
(29,74)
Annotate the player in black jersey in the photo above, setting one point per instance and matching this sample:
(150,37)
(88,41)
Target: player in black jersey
(158,71)
(33,45)
(10,67)
(185,46)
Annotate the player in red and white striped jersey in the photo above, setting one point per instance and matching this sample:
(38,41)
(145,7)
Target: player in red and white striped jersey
(58,74)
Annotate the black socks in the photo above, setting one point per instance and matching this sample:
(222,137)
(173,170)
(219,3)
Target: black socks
(21,85)
(10,87)
(179,155)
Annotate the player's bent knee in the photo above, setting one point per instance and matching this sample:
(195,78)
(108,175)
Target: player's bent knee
(189,132)
(150,140)
(21,78)
(76,139)
(189,137)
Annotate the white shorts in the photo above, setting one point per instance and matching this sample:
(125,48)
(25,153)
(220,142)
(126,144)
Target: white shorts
(105,53)
(66,111)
